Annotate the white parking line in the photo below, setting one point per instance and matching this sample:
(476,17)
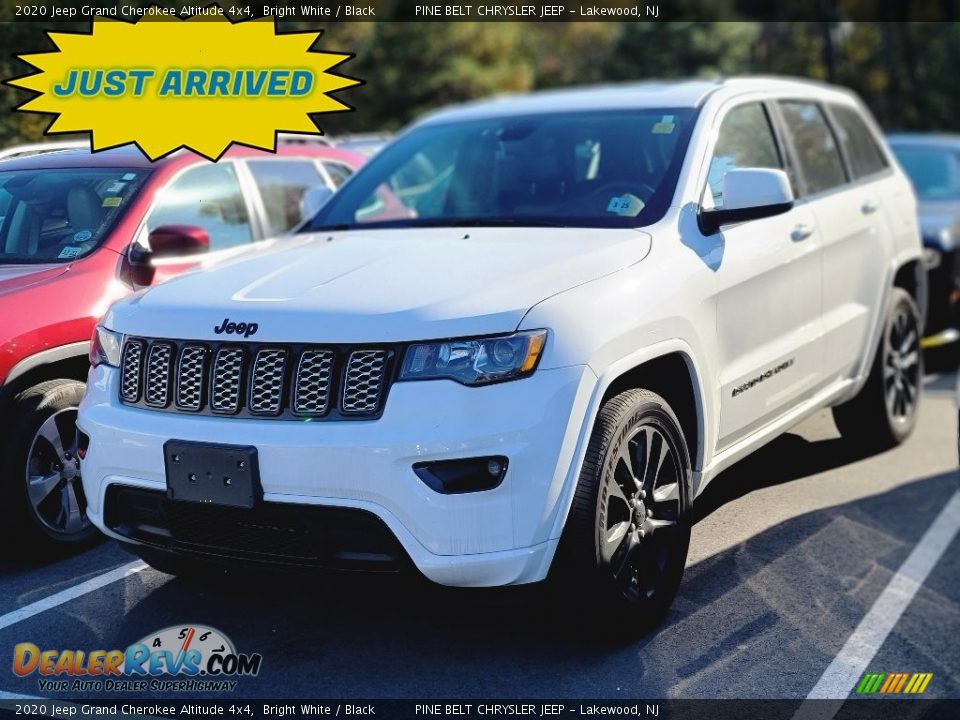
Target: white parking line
(71,593)
(848,667)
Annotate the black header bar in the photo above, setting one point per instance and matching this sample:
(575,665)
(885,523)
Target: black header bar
(239,708)
(51,11)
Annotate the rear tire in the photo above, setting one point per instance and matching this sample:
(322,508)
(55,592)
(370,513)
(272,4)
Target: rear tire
(625,544)
(42,506)
(884,412)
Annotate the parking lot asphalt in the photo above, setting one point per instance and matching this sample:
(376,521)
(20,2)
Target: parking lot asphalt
(792,549)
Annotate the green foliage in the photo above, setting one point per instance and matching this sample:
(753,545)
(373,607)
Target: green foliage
(681,49)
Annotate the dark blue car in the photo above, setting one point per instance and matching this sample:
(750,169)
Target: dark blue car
(933,164)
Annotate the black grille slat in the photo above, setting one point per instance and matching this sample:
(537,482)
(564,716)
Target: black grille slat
(363,381)
(190,377)
(272,533)
(266,383)
(226,379)
(256,380)
(132,373)
(157,384)
(311,394)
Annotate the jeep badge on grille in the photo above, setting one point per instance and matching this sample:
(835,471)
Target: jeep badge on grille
(233,328)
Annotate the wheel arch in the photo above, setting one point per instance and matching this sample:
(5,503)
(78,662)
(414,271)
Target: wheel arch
(669,368)
(674,377)
(70,362)
(911,275)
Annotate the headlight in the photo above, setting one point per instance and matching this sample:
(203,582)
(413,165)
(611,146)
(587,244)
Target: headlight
(105,347)
(475,361)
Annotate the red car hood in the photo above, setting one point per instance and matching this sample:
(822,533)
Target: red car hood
(17,277)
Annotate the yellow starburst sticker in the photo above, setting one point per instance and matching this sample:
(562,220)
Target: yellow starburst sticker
(196,83)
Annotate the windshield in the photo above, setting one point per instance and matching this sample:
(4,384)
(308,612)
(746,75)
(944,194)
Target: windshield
(61,214)
(934,172)
(586,169)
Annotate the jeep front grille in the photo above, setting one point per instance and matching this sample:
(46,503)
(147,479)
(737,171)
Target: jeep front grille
(252,380)
(157,390)
(227,377)
(311,393)
(131,378)
(364,381)
(190,377)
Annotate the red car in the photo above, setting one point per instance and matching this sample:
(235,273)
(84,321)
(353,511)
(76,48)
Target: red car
(79,231)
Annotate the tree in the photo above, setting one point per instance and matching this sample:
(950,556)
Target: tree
(681,49)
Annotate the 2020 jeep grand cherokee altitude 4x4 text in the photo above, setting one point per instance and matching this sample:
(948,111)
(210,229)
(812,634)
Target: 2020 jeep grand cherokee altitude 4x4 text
(596,300)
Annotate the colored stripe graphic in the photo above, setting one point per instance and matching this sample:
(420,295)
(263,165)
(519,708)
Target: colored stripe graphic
(902,682)
(894,683)
(870,683)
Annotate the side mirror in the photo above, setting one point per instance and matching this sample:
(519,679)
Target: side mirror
(169,241)
(314,199)
(749,194)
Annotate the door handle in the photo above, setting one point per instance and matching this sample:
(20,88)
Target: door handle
(869,207)
(801,232)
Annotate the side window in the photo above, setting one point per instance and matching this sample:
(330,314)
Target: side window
(338,172)
(282,184)
(207,196)
(862,150)
(815,146)
(745,140)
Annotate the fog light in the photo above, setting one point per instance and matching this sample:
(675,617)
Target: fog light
(451,477)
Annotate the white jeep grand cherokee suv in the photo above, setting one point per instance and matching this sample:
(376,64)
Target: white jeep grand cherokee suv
(592,302)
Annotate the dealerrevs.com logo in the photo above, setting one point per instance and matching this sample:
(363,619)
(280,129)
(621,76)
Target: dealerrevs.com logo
(181,658)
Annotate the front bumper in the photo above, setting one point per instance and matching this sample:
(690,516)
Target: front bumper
(494,537)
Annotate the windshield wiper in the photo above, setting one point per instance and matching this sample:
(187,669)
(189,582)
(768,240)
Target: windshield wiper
(438,223)
(505,221)
(327,228)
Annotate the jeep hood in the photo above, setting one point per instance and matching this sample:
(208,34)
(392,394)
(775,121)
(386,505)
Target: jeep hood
(17,277)
(382,286)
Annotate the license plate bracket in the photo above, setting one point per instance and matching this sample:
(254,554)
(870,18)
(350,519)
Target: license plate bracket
(212,474)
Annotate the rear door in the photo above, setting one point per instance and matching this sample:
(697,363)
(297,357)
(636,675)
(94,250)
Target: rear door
(769,276)
(844,173)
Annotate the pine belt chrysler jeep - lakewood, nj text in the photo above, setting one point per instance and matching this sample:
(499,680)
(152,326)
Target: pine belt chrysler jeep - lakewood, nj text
(595,301)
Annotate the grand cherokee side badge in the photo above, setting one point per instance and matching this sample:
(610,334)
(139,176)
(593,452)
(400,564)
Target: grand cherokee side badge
(232,328)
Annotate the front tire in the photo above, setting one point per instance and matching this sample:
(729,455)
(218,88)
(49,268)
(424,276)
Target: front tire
(625,543)
(41,496)
(884,412)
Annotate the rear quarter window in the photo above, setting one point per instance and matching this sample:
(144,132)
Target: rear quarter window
(862,150)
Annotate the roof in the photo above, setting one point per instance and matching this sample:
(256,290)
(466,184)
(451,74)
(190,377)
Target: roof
(128,156)
(620,96)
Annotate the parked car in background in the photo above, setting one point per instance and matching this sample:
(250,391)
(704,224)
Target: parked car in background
(594,301)
(368,144)
(933,164)
(80,230)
